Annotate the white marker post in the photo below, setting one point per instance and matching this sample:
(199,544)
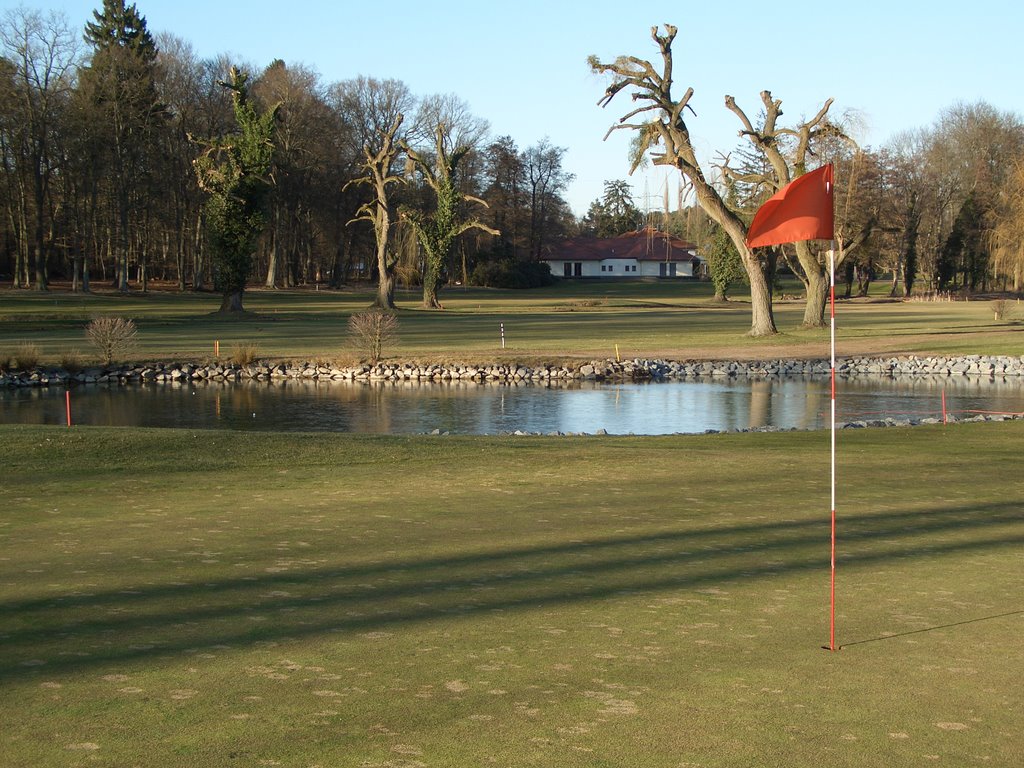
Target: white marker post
(502,326)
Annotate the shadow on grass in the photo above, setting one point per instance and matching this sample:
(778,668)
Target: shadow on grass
(301,598)
(964,623)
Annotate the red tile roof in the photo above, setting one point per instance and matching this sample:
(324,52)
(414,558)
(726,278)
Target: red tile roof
(643,245)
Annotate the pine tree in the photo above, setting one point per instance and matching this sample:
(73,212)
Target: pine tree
(119,87)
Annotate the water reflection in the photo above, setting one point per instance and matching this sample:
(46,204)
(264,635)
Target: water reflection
(470,408)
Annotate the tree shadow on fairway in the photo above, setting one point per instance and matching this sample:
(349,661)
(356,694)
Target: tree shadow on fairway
(137,620)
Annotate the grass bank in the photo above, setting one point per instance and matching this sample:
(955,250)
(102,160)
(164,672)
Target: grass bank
(569,321)
(173,598)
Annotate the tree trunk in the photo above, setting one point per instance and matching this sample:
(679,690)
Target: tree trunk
(197,256)
(431,281)
(385,288)
(39,239)
(275,231)
(122,244)
(430,295)
(385,273)
(816,285)
(762,317)
(180,261)
(41,268)
(232,302)
(338,270)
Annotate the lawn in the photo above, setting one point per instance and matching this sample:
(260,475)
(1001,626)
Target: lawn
(172,598)
(571,320)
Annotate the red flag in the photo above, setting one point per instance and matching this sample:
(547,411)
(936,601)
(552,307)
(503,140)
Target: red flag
(801,210)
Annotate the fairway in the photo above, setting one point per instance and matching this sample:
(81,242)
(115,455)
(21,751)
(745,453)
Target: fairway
(173,598)
(572,321)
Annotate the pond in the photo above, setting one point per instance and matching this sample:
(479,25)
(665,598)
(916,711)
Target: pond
(690,406)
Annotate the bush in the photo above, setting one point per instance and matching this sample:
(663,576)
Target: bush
(113,337)
(70,360)
(26,357)
(1001,309)
(245,353)
(371,331)
(508,273)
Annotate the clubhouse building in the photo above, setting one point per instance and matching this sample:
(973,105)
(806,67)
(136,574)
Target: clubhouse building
(644,253)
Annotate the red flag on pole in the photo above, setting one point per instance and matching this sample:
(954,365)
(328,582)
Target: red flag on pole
(801,210)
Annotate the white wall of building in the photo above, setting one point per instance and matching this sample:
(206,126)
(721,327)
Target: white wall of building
(613,268)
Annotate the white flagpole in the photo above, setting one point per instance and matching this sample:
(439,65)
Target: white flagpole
(832,346)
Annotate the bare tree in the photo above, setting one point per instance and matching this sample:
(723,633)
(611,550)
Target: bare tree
(786,148)
(1007,237)
(376,110)
(546,180)
(377,165)
(660,128)
(43,52)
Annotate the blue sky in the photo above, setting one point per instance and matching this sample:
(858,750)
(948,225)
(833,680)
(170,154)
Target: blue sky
(522,65)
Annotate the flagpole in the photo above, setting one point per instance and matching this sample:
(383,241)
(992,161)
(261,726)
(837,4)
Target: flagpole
(832,349)
(804,209)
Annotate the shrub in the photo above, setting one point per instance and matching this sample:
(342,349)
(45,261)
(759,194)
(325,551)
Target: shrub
(371,331)
(113,337)
(70,360)
(26,356)
(245,353)
(508,273)
(1001,309)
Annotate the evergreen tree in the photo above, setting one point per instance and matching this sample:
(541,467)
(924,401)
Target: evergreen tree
(233,171)
(724,263)
(436,230)
(119,88)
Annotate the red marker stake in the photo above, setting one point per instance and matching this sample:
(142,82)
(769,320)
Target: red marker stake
(67,402)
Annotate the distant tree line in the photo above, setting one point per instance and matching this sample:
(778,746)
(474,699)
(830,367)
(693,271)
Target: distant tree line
(102,127)
(111,141)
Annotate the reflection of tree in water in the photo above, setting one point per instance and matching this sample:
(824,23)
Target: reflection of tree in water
(760,403)
(370,405)
(31,405)
(472,408)
(241,401)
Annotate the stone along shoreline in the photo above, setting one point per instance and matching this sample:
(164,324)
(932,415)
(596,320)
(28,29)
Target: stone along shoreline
(596,370)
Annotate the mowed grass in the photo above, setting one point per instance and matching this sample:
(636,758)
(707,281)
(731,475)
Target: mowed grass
(571,320)
(172,598)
